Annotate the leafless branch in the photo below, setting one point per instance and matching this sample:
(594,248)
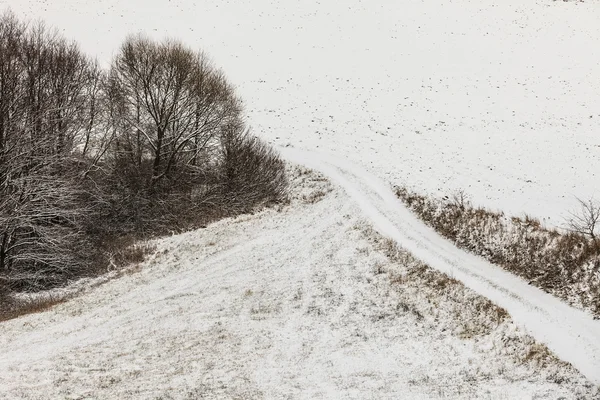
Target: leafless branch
(585,221)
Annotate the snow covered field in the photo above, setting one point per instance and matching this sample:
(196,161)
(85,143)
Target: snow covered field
(501,98)
(292,304)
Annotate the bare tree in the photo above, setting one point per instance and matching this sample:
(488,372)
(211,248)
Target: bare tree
(43,82)
(460,199)
(586,220)
(56,76)
(170,105)
(11,70)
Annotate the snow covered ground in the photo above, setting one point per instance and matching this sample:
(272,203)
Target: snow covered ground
(501,98)
(290,304)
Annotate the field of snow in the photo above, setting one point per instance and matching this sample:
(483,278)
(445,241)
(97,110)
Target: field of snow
(501,98)
(290,304)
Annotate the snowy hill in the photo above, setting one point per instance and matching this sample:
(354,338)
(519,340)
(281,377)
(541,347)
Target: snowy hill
(300,303)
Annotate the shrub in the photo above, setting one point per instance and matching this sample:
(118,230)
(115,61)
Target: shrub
(252,173)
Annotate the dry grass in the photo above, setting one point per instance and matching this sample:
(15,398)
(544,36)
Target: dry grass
(315,197)
(125,259)
(470,314)
(315,186)
(133,254)
(538,354)
(12,308)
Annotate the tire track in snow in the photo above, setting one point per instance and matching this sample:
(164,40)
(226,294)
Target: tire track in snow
(573,335)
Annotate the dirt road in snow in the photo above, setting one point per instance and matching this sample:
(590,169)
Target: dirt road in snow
(572,334)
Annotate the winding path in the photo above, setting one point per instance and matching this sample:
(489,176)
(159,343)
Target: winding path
(573,335)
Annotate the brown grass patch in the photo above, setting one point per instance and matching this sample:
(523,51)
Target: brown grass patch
(13,308)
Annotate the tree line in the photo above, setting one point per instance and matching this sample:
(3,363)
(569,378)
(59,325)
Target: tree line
(92,159)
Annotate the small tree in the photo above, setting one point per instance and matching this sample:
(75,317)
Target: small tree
(586,220)
(460,199)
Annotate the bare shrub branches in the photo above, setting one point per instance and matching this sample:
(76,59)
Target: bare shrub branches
(586,220)
(42,243)
(252,173)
